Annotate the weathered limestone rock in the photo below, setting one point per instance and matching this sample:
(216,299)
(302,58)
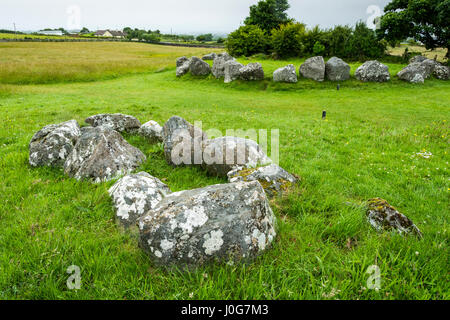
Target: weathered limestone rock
(117,121)
(418,59)
(134,195)
(418,79)
(337,69)
(232,72)
(274,179)
(435,68)
(184,68)
(210,56)
(383,216)
(182,142)
(152,131)
(285,74)
(102,154)
(252,72)
(220,223)
(373,71)
(313,68)
(51,145)
(181,61)
(222,154)
(218,69)
(412,71)
(198,67)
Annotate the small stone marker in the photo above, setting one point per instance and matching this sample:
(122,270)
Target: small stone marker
(324,115)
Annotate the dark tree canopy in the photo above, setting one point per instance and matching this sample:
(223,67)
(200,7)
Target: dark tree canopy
(268,14)
(426,21)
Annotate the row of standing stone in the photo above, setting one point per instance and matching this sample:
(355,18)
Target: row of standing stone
(315,68)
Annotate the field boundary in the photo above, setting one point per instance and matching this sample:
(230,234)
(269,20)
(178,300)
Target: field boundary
(189,45)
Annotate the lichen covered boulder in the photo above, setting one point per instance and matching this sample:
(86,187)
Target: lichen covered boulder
(102,154)
(152,131)
(182,142)
(181,61)
(410,72)
(134,195)
(337,69)
(252,72)
(313,68)
(221,155)
(274,179)
(198,67)
(373,71)
(183,68)
(383,217)
(117,121)
(286,74)
(218,68)
(418,59)
(232,71)
(220,223)
(51,145)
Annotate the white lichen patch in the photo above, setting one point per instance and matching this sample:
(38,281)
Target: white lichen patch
(213,242)
(166,245)
(195,217)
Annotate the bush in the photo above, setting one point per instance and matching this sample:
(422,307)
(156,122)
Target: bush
(364,43)
(246,41)
(287,40)
(318,49)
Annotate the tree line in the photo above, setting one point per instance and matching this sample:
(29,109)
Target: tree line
(268,29)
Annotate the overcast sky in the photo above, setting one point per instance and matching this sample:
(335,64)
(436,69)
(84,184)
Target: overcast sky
(180,16)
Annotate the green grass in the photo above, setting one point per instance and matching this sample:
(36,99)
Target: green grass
(366,148)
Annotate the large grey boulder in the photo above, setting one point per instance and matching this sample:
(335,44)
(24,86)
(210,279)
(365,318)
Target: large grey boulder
(313,68)
(181,61)
(183,68)
(274,179)
(51,145)
(152,131)
(410,72)
(252,72)
(220,223)
(285,74)
(117,121)
(383,217)
(337,69)
(198,67)
(373,71)
(182,142)
(210,56)
(232,72)
(134,195)
(218,69)
(222,154)
(102,154)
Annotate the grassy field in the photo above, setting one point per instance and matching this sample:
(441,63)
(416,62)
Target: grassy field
(368,147)
(430,54)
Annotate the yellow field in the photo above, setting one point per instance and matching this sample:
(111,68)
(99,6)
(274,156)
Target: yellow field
(42,62)
(440,52)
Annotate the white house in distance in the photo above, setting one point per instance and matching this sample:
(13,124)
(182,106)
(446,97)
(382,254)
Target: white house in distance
(110,34)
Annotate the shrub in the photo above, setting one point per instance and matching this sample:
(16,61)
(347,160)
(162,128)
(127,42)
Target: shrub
(287,40)
(364,43)
(318,49)
(246,41)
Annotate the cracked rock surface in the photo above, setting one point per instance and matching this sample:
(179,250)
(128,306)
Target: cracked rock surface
(102,154)
(117,121)
(51,145)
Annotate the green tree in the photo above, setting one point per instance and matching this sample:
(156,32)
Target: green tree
(426,21)
(246,41)
(268,14)
(85,30)
(365,44)
(287,40)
